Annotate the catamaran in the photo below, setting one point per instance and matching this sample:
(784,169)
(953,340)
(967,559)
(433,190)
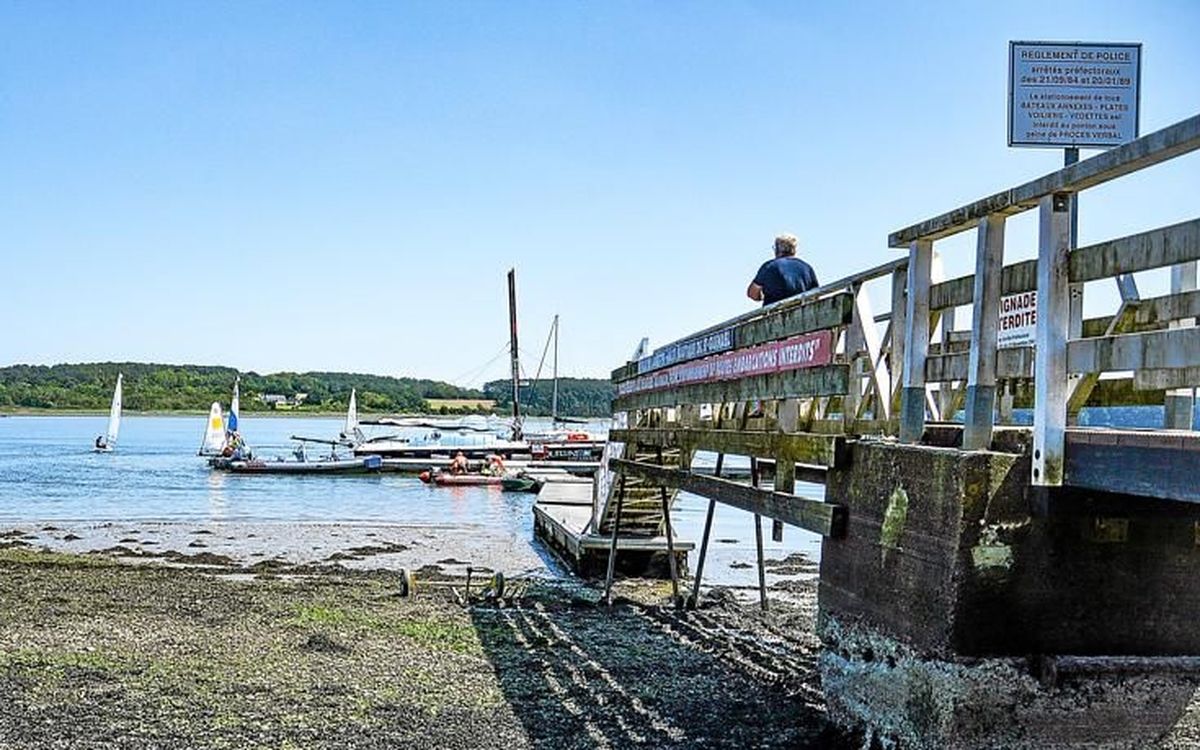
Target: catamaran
(108,441)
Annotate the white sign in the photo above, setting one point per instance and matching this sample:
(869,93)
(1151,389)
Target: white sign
(1068,95)
(1018,320)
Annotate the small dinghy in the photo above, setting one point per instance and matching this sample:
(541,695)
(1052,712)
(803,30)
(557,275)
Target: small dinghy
(108,441)
(521,483)
(364,465)
(446,479)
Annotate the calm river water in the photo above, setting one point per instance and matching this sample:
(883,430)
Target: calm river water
(51,482)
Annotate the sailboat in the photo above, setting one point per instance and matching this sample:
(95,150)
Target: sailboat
(108,441)
(214,432)
(352,434)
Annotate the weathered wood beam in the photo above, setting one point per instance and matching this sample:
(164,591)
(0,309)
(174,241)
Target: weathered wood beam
(1051,385)
(1156,350)
(813,381)
(1156,465)
(805,448)
(1016,278)
(1156,248)
(979,415)
(916,342)
(1168,143)
(828,312)
(822,518)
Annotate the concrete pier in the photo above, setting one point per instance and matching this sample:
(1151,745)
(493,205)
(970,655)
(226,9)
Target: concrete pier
(955,616)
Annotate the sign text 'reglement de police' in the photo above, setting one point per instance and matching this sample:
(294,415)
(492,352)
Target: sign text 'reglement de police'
(1072,94)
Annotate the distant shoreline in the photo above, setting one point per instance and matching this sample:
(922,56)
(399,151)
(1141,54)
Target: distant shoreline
(289,414)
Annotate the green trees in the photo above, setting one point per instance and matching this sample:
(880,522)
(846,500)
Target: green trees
(577,397)
(156,387)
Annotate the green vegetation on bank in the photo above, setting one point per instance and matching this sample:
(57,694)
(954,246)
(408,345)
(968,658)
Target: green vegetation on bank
(158,387)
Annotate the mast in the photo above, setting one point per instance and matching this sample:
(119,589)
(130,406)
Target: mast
(554,398)
(516,362)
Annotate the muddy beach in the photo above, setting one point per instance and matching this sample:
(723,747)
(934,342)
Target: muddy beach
(130,646)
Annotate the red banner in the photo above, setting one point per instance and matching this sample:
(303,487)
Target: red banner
(806,350)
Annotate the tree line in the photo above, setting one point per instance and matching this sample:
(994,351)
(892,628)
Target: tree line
(159,387)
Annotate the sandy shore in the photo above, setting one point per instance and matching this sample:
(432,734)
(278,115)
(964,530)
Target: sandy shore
(209,652)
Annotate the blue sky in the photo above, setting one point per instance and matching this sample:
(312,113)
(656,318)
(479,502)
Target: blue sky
(342,186)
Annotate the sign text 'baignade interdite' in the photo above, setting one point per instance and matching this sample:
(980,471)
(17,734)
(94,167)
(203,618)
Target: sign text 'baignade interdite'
(1072,94)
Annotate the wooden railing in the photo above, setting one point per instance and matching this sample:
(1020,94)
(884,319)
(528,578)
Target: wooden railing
(1067,362)
(788,381)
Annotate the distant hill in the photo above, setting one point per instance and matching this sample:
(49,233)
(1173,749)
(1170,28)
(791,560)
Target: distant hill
(577,397)
(158,387)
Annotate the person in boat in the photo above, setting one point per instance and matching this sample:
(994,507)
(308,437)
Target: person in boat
(459,465)
(100,443)
(495,465)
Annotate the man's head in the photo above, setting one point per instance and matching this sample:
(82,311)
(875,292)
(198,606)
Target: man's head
(785,245)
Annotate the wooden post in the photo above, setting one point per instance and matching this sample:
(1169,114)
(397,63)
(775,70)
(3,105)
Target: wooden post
(1051,386)
(665,497)
(708,519)
(1180,403)
(899,331)
(758,541)
(916,342)
(612,548)
(979,417)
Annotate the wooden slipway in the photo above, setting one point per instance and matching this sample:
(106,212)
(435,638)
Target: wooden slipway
(562,520)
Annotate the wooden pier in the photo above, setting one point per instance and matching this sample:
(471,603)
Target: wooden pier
(982,584)
(564,518)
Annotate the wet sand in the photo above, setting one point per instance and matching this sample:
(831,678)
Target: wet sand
(197,650)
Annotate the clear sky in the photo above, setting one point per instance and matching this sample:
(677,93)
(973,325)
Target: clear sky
(343,185)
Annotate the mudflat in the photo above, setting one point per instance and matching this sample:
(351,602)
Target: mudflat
(98,652)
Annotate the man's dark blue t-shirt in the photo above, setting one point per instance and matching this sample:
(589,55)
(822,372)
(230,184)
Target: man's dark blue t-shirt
(784,277)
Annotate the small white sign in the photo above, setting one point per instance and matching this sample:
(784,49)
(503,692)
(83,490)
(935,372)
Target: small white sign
(1018,320)
(1073,95)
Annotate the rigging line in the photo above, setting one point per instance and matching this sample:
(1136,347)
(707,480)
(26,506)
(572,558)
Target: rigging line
(474,371)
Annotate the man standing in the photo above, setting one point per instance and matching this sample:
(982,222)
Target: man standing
(784,276)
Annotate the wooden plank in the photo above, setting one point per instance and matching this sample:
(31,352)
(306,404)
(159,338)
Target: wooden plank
(1162,310)
(828,312)
(1168,143)
(1051,386)
(1159,380)
(1178,348)
(1125,465)
(1014,279)
(827,519)
(979,414)
(805,448)
(916,342)
(816,381)
(1157,248)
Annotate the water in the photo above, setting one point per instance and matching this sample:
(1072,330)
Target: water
(50,478)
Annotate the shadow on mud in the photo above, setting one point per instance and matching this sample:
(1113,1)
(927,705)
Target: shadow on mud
(579,675)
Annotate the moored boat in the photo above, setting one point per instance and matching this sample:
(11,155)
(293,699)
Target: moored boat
(446,479)
(364,465)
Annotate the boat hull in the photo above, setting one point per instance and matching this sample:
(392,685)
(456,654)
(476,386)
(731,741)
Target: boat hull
(366,465)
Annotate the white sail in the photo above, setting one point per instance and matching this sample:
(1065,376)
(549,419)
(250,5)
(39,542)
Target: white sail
(114,417)
(351,416)
(214,432)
